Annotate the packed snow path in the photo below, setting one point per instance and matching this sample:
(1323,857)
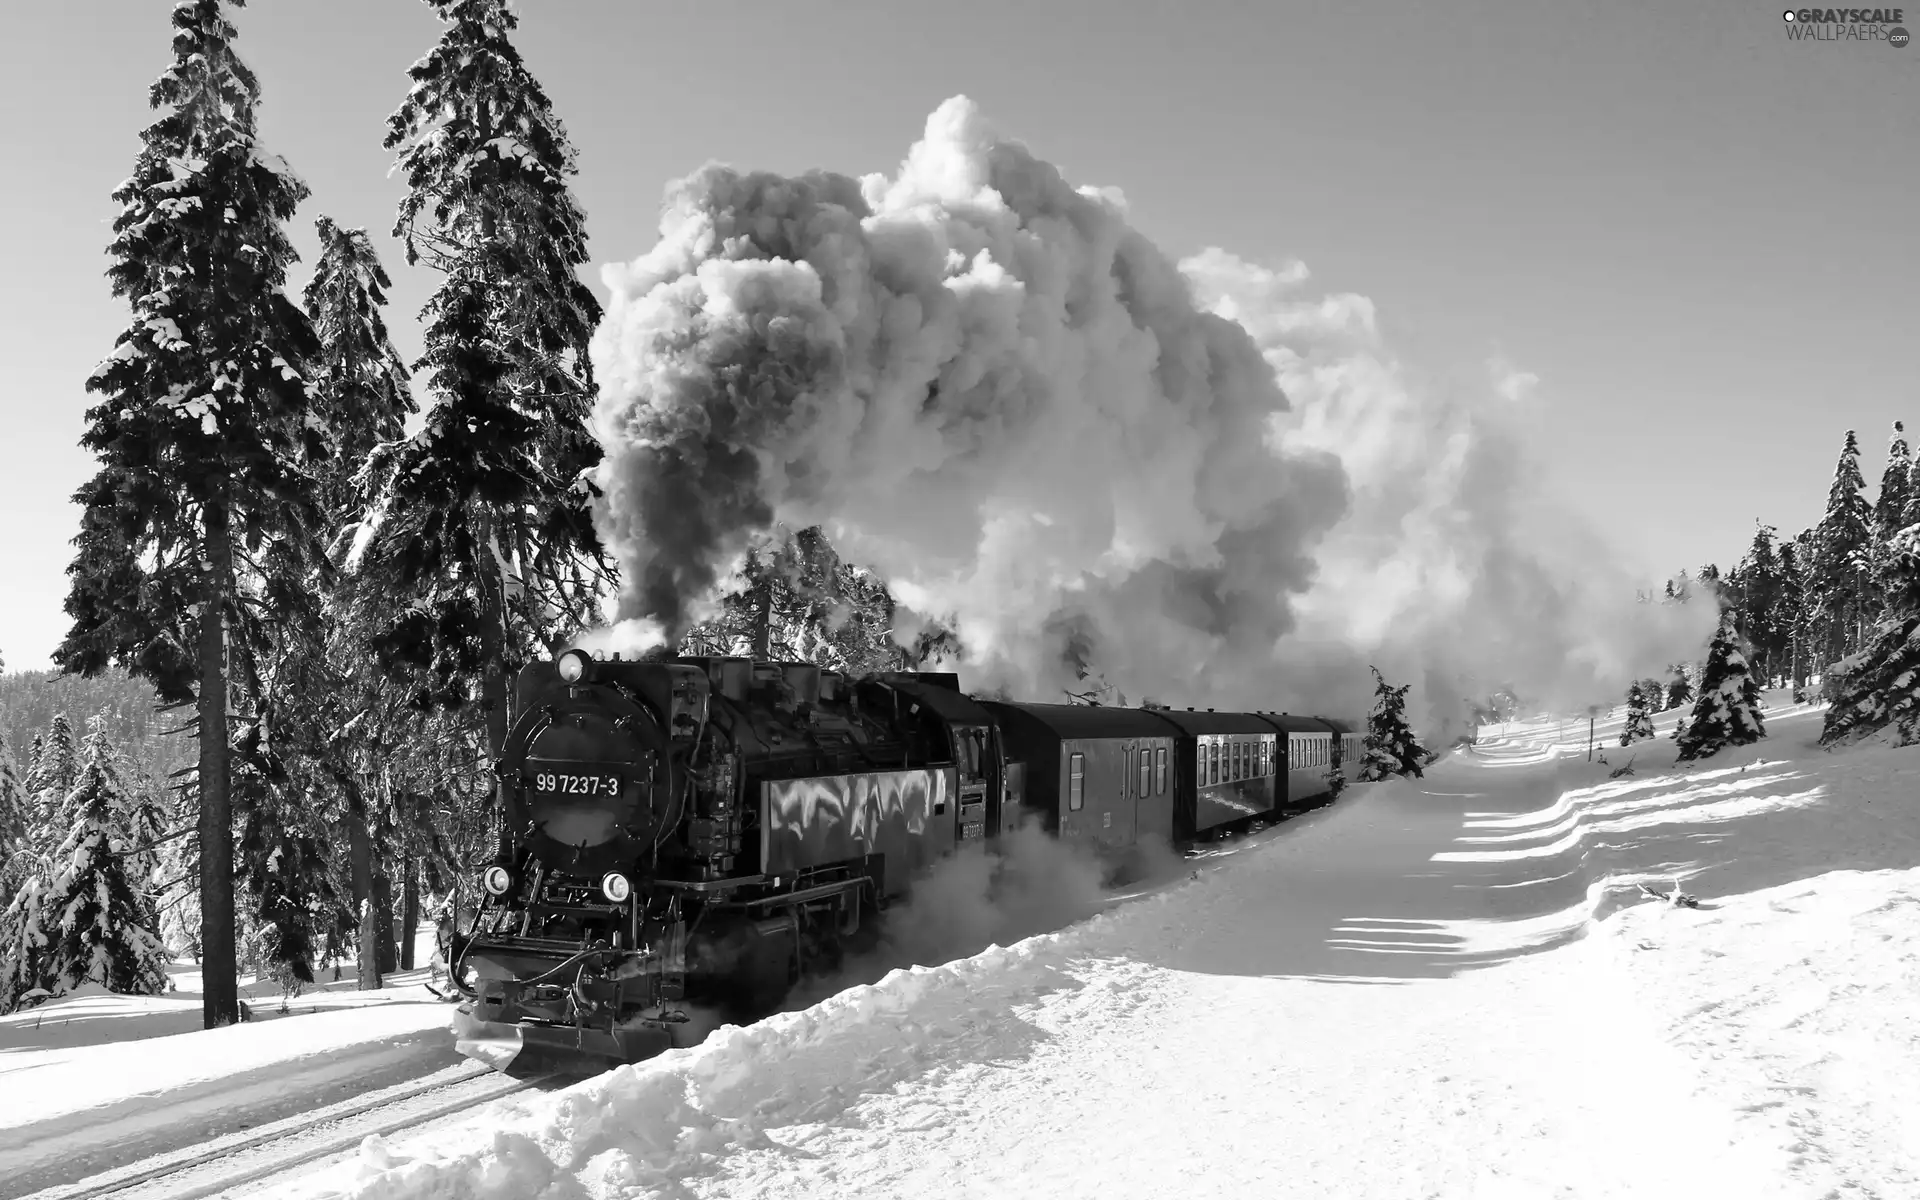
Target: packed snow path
(1389,999)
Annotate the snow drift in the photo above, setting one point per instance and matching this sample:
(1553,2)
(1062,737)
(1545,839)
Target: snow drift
(990,388)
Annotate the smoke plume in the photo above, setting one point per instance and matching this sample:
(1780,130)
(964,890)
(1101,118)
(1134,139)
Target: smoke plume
(993,391)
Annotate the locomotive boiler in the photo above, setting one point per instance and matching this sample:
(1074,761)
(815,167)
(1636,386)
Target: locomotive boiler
(703,831)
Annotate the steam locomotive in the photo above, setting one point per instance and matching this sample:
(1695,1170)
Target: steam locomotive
(709,831)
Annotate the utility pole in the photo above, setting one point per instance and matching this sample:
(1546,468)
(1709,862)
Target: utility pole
(1589,737)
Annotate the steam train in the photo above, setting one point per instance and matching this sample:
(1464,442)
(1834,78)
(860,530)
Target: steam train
(709,831)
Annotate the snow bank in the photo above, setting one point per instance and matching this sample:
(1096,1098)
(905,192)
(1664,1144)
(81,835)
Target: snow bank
(1392,999)
(40,1085)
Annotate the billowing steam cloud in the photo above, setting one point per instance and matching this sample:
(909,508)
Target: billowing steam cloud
(994,392)
(1450,569)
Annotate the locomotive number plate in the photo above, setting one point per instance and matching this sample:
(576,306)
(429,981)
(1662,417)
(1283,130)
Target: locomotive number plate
(570,783)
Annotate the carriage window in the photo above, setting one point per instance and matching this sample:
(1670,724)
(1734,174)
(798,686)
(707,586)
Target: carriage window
(1213,762)
(1266,756)
(1160,771)
(1076,781)
(1146,771)
(1240,758)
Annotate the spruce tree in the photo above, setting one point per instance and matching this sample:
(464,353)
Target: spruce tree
(55,768)
(1389,747)
(1840,577)
(1890,511)
(1890,506)
(16,824)
(364,397)
(1762,617)
(99,926)
(1727,712)
(1879,688)
(1679,688)
(1792,613)
(1639,724)
(23,941)
(203,431)
(483,516)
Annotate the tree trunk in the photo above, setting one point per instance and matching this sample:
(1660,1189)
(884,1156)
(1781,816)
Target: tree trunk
(493,681)
(220,985)
(409,908)
(360,847)
(763,619)
(383,908)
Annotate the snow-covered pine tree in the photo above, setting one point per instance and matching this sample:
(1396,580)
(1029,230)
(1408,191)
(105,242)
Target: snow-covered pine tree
(1890,507)
(363,395)
(98,923)
(1639,724)
(203,429)
(793,599)
(1761,617)
(23,941)
(56,767)
(16,824)
(1793,612)
(1679,687)
(1879,688)
(1727,712)
(1840,577)
(481,519)
(1389,747)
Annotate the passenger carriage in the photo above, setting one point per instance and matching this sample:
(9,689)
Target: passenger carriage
(1227,769)
(1095,775)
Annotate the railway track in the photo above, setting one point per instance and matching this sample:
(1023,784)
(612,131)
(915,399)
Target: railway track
(229,1164)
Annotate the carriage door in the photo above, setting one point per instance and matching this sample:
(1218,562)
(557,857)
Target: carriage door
(1122,820)
(971,753)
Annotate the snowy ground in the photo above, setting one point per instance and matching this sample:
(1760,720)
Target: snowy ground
(92,1080)
(1439,988)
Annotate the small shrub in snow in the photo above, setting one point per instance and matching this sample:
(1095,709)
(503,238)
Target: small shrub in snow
(1639,717)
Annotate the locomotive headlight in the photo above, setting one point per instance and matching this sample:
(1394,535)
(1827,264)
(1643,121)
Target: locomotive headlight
(573,665)
(497,880)
(615,887)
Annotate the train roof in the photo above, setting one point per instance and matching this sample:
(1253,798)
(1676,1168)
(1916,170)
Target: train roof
(1192,723)
(1293,723)
(1087,720)
(934,690)
(1341,725)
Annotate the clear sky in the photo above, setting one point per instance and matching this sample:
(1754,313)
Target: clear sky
(1678,219)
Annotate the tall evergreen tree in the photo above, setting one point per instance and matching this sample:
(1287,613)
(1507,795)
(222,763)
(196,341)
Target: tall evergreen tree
(1728,710)
(364,396)
(55,767)
(1879,688)
(1792,612)
(1890,511)
(1763,617)
(1890,506)
(16,823)
(1840,577)
(483,516)
(203,430)
(100,927)
(1389,747)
